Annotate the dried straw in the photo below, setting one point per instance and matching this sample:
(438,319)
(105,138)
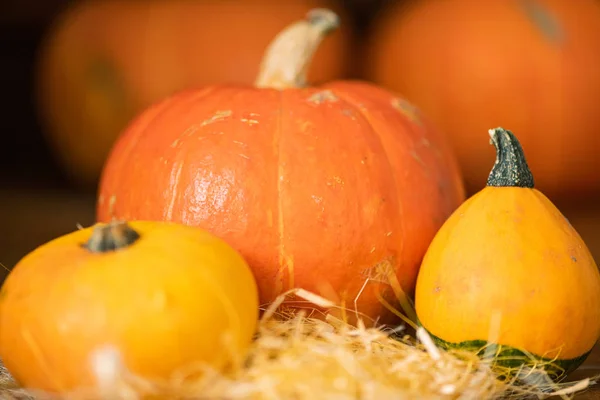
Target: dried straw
(297,357)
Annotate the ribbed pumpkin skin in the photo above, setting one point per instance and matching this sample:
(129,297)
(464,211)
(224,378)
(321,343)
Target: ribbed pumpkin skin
(532,65)
(316,187)
(105,61)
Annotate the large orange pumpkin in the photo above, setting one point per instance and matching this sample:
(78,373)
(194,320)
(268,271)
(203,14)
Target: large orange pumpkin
(105,61)
(533,65)
(327,188)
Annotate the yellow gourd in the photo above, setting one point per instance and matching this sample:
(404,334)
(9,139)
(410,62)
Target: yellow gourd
(507,268)
(162,294)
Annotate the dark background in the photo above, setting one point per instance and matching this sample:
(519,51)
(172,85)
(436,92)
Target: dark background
(25,157)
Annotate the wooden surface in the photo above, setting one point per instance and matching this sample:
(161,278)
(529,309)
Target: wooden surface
(30,218)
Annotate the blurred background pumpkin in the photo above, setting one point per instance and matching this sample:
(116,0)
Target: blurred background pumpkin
(532,66)
(104,61)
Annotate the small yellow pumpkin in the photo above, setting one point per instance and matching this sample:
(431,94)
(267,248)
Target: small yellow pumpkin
(162,294)
(508,269)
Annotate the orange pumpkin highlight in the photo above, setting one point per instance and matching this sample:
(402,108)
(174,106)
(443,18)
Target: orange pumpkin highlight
(328,188)
(165,296)
(105,61)
(533,65)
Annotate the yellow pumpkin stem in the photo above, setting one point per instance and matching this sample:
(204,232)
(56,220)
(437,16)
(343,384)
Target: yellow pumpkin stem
(286,60)
(510,168)
(110,237)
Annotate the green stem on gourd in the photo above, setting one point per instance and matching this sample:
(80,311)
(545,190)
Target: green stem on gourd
(510,168)
(110,237)
(286,60)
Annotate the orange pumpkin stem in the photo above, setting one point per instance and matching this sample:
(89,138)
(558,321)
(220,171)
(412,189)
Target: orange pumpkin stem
(286,60)
(511,167)
(110,237)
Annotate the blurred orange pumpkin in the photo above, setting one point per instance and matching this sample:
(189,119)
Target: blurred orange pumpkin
(104,61)
(533,65)
(333,189)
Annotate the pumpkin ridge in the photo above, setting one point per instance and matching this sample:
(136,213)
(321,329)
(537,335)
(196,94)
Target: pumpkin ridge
(179,159)
(397,289)
(139,133)
(350,100)
(179,162)
(161,108)
(175,176)
(284,260)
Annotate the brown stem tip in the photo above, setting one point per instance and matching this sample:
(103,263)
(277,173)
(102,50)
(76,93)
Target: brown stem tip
(111,237)
(286,60)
